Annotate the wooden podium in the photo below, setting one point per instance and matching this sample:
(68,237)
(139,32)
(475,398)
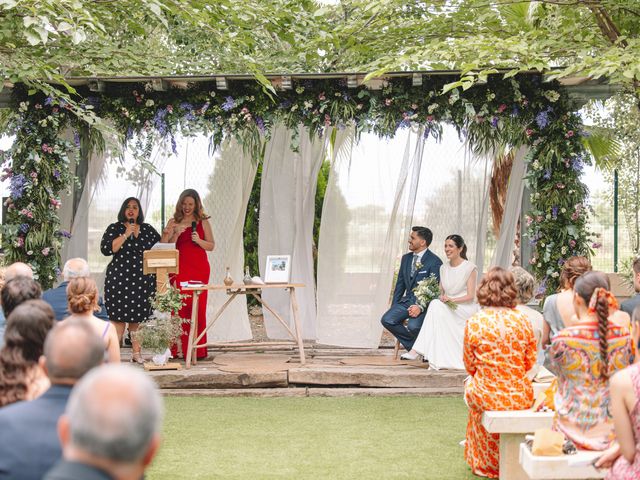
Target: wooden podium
(161,263)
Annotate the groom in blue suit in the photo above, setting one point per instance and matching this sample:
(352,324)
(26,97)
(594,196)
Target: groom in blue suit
(418,264)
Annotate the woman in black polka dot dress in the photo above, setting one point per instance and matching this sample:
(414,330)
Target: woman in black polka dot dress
(126,289)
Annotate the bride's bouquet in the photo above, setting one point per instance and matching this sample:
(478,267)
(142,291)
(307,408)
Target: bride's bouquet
(428,290)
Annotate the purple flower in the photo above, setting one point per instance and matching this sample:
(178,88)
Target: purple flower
(228,104)
(76,138)
(515,112)
(24,227)
(189,116)
(543,286)
(160,122)
(174,145)
(58,271)
(547,174)
(48,101)
(17,186)
(561,262)
(554,211)
(542,119)
(187,106)
(494,122)
(64,233)
(56,174)
(427,131)
(576,164)
(260,124)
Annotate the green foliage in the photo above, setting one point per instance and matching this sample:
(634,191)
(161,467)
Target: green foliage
(165,326)
(620,116)
(251,224)
(519,111)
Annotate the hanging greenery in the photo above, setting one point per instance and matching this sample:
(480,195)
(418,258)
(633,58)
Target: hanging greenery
(512,112)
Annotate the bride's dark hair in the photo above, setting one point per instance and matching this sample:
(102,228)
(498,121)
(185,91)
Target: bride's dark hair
(459,242)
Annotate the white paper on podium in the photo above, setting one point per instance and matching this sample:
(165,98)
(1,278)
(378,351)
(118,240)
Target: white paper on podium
(164,246)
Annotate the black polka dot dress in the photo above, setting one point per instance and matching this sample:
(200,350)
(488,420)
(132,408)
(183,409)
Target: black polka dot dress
(126,289)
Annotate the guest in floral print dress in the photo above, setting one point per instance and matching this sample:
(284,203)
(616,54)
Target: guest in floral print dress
(499,350)
(584,357)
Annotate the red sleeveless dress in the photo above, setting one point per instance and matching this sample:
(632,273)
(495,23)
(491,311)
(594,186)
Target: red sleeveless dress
(194,265)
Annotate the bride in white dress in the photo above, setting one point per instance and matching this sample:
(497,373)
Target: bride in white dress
(442,334)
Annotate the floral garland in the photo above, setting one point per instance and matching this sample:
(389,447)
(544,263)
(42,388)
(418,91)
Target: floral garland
(37,167)
(515,111)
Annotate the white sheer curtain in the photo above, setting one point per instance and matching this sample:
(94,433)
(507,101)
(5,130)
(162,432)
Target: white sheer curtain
(503,255)
(377,189)
(226,201)
(287,206)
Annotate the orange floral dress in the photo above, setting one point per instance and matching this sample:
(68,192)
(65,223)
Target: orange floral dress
(499,350)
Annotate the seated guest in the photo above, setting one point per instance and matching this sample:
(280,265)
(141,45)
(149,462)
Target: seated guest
(524,285)
(18,269)
(17,290)
(421,263)
(584,356)
(558,309)
(630,304)
(21,377)
(82,297)
(111,426)
(440,338)
(29,444)
(499,350)
(57,297)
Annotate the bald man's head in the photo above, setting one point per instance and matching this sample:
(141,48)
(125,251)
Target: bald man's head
(71,349)
(17,269)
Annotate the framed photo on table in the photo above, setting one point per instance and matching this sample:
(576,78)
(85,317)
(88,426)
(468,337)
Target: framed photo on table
(278,269)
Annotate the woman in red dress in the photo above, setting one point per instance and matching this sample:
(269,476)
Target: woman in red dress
(191,231)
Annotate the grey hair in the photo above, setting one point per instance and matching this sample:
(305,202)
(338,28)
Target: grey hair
(74,268)
(524,284)
(114,413)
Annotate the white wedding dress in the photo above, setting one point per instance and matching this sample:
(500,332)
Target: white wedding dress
(442,334)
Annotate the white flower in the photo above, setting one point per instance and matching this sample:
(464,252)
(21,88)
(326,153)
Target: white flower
(555,274)
(149,103)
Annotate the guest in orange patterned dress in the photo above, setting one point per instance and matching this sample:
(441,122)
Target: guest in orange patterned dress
(583,357)
(499,350)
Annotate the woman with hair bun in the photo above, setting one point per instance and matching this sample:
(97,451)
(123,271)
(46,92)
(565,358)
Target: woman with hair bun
(584,356)
(82,297)
(440,338)
(558,311)
(499,350)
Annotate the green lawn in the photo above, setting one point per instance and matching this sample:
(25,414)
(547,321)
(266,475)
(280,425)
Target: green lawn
(360,438)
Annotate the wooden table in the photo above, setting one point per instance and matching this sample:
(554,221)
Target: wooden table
(235,290)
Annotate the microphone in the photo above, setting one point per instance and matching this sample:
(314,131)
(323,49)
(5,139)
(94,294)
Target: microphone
(131,222)
(193,227)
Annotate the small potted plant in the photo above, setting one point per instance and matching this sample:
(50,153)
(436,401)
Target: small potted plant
(164,326)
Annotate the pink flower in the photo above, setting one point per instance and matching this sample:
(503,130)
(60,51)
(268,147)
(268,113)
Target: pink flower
(45,147)
(596,245)
(529,220)
(529,132)
(45,251)
(575,215)
(55,109)
(388,101)
(38,106)
(539,218)
(244,110)
(26,213)
(560,185)
(33,175)
(429,118)
(525,102)
(55,203)
(327,119)
(321,97)
(572,243)
(569,134)
(19,242)
(502,108)
(533,261)
(414,106)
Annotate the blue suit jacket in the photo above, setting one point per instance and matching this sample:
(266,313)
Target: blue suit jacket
(57,298)
(403,293)
(29,444)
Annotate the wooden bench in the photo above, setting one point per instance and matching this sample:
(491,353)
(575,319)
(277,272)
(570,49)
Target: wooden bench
(512,426)
(561,467)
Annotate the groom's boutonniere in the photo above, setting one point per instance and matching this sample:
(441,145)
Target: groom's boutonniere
(418,266)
